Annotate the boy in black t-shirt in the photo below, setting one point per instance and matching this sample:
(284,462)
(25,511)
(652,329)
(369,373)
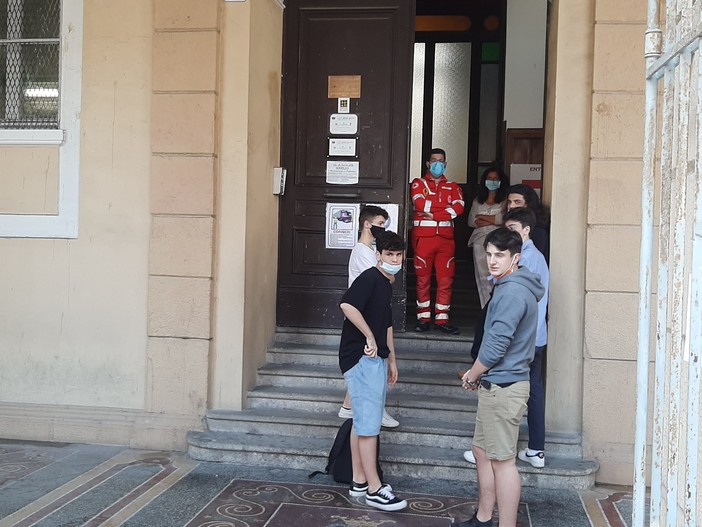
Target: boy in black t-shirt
(367,360)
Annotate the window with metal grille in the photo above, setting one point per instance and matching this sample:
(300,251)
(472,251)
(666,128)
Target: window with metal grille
(29,64)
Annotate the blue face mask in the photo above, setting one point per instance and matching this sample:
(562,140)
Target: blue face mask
(437,168)
(492,184)
(390,268)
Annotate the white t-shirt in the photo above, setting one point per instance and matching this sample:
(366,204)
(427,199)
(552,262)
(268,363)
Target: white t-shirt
(362,258)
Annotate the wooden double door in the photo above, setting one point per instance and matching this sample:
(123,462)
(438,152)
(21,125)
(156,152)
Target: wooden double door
(333,50)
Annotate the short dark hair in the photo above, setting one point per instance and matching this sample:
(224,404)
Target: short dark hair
(368,212)
(521,215)
(505,240)
(389,241)
(438,151)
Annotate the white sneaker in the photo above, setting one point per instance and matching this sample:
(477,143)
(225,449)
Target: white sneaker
(385,500)
(469,457)
(389,421)
(535,458)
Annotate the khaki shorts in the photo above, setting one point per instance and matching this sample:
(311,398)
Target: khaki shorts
(500,411)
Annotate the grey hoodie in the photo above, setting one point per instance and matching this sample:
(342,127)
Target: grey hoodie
(510,327)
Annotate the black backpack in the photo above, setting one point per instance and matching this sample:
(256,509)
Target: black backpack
(339,461)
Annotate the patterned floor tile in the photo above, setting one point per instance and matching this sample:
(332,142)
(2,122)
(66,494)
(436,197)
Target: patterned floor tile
(246,503)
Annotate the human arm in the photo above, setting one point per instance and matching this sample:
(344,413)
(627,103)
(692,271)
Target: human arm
(418,193)
(392,362)
(481,220)
(471,377)
(454,206)
(504,315)
(473,213)
(356,318)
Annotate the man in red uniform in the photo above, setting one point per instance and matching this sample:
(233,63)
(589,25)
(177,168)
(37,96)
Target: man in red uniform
(437,202)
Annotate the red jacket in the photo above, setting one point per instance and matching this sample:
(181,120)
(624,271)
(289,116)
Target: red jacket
(440,197)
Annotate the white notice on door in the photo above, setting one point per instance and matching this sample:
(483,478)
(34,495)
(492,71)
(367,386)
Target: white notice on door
(341,225)
(344,124)
(342,147)
(342,172)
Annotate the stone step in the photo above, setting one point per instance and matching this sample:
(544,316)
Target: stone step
(404,341)
(431,431)
(409,382)
(430,462)
(429,361)
(328,400)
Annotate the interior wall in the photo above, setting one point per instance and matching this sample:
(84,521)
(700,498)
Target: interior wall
(74,311)
(525,63)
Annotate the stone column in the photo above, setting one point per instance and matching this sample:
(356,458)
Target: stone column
(182,205)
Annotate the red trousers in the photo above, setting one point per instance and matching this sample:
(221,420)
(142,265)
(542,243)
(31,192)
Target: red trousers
(430,252)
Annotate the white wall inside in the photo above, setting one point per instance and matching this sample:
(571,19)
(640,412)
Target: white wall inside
(525,63)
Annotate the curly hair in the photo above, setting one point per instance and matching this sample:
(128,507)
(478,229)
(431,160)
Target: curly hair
(533,203)
(482,191)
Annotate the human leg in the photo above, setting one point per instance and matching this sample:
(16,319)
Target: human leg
(499,413)
(359,474)
(445,271)
(486,485)
(423,262)
(507,490)
(536,403)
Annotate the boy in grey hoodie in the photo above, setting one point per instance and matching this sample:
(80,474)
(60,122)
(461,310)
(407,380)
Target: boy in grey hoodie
(501,376)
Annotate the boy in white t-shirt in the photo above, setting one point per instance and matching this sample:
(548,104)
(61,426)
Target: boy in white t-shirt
(372,220)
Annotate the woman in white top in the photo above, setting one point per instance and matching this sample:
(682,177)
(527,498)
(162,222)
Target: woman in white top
(486,215)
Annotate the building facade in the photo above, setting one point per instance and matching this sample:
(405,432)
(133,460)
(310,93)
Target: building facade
(140,237)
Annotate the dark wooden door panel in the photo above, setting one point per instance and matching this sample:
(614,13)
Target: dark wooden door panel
(323,38)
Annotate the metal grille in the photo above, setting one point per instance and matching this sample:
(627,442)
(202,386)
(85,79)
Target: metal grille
(672,155)
(29,63)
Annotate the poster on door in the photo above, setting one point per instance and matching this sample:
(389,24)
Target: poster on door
(527,174)
(341,225)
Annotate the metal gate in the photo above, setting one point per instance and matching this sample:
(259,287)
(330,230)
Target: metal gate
(672,154)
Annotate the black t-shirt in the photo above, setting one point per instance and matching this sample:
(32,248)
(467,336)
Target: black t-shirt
(371,294)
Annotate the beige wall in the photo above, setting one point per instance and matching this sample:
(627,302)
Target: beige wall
(613,240)
(593,180)
(29,180)
(249,141)
(74,311)
(182,205)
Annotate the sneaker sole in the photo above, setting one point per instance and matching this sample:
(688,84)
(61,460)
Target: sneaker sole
(389,507)
(357,493)
(526,459)
(390,425)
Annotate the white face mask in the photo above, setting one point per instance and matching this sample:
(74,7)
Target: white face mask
(509,270)
(390,268)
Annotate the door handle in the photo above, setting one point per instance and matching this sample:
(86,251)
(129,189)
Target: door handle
(342,195)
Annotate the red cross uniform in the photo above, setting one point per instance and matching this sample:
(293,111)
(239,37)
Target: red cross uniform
(432,237)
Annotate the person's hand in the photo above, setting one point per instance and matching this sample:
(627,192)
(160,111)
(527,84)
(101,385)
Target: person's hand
(468,383)
(371,348)
(427,215)
(392,372)
(481,220)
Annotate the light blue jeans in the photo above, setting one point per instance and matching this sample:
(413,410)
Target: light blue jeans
(367,383)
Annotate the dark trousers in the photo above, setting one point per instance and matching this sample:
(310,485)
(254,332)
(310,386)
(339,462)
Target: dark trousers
(536,406)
